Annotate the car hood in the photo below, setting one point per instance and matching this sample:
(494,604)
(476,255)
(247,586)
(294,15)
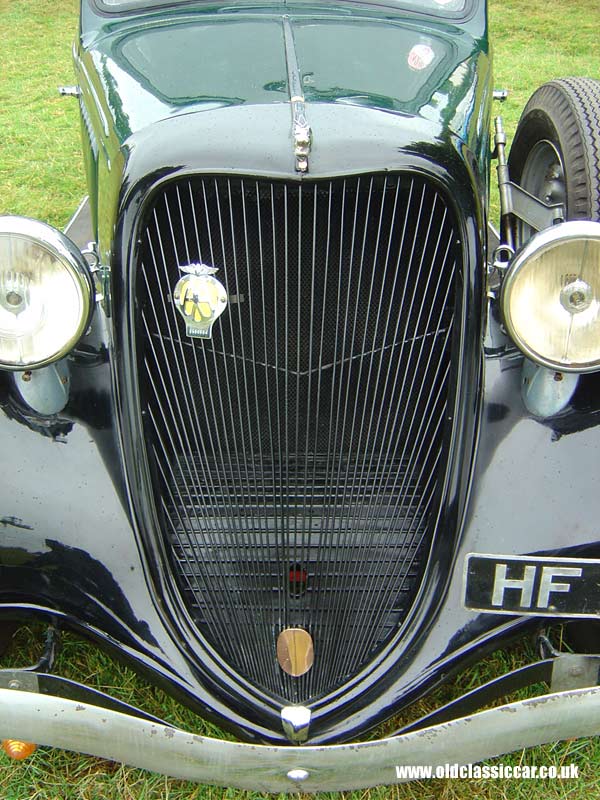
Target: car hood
(155,68)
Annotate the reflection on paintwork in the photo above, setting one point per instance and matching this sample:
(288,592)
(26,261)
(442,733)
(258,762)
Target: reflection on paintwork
(183,63)
(15,522)
(379,75)
(54,427)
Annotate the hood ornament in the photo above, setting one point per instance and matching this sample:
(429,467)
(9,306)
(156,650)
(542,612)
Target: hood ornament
(200,299)
(302,135)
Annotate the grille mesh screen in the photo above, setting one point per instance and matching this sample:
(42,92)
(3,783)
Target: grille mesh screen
(297,455)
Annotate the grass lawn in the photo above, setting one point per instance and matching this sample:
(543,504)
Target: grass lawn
(41,176)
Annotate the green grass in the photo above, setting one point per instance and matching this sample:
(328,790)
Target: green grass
(41,176)
(536,41)
(41,173)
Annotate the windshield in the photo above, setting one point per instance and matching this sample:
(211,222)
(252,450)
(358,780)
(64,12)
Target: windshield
(447,8)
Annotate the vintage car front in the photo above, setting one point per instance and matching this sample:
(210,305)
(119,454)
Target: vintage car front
(271,434)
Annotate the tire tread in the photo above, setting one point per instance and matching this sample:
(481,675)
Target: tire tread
(566,111)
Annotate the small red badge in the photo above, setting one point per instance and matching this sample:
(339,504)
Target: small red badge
(420,57)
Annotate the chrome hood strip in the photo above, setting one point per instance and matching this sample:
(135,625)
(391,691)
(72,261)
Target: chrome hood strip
(300,128)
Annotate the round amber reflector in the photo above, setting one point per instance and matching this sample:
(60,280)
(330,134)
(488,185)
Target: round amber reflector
(18,750)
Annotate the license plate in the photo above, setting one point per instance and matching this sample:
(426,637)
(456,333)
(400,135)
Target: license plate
(534,586)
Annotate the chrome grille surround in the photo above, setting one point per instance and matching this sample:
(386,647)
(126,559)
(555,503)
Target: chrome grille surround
(298,456)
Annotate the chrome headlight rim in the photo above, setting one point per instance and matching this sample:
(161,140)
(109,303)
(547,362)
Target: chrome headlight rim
(59,246)
(562,233)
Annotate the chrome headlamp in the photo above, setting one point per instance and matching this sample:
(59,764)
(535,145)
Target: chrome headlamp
(46,294)
(551,297)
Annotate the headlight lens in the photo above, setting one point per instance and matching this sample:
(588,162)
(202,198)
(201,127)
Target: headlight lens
(551,297)
(45,294)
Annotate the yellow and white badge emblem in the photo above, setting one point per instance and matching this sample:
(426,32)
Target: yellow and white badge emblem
(200,299)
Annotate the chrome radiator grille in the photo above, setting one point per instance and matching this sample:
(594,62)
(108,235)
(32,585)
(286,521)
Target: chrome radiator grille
(298,455)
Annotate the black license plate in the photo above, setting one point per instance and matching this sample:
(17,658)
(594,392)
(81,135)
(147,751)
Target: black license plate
(554,587)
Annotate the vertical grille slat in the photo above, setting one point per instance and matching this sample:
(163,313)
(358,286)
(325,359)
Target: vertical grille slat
(307,437)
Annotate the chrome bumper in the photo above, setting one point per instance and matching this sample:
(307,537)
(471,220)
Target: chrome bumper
(113,735)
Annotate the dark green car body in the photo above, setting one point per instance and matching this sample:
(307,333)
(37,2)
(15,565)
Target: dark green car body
(224,66)
(330,162)
(174,92)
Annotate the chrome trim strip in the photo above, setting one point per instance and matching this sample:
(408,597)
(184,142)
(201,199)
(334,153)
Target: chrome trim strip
(94,94)
(111,735)
(296,723)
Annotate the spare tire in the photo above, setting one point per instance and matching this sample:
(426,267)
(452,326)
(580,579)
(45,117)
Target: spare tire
(555,154)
